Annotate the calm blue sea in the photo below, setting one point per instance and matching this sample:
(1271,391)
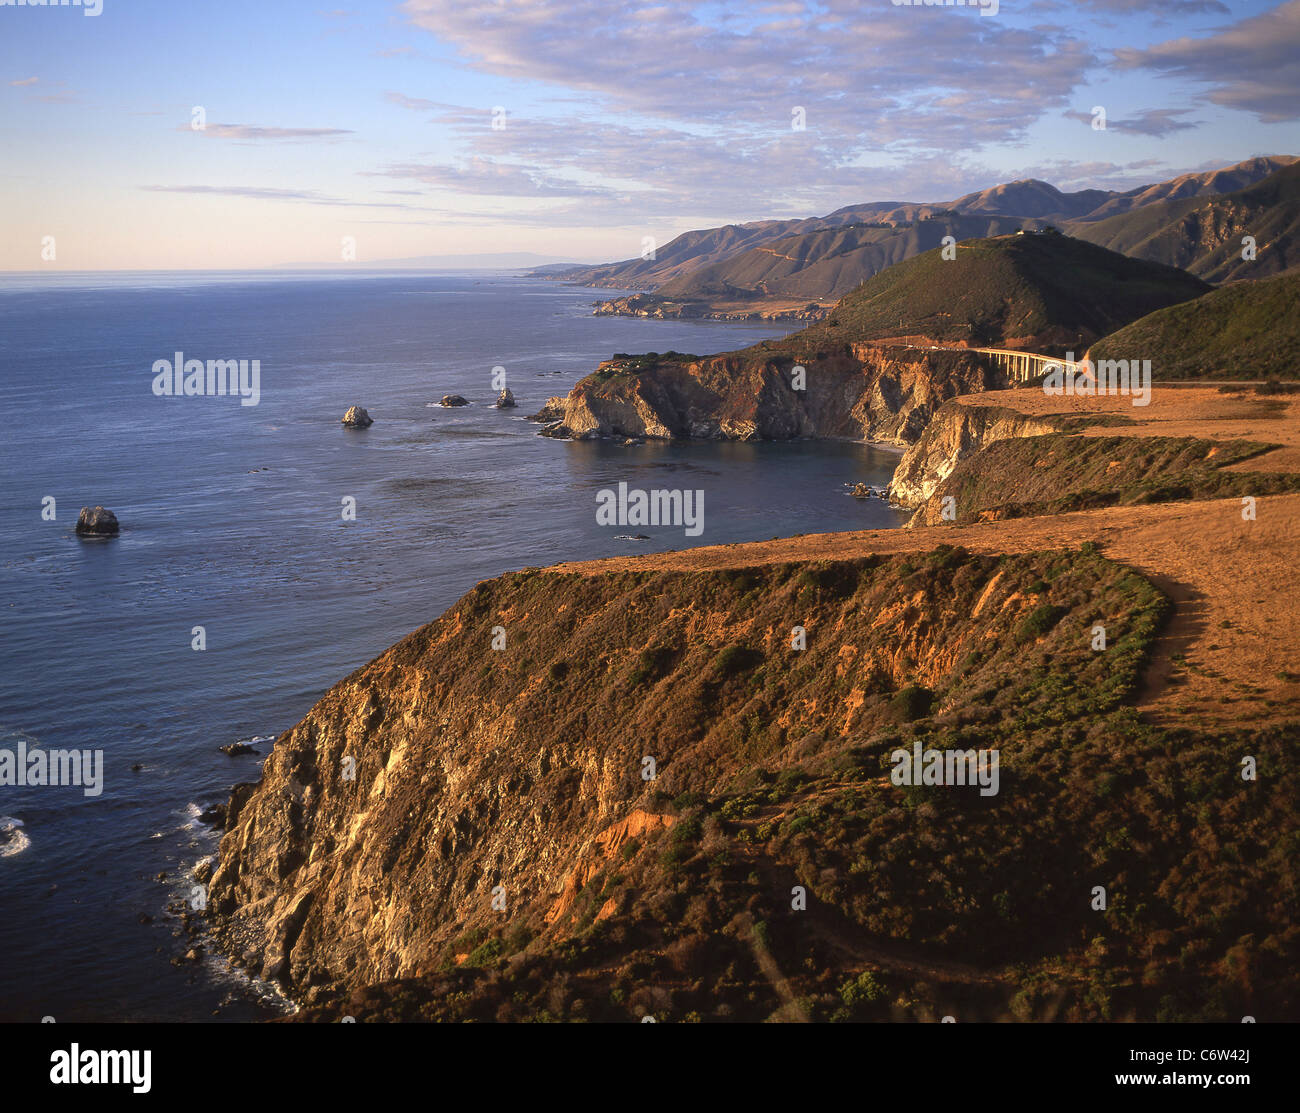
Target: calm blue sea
(232,520)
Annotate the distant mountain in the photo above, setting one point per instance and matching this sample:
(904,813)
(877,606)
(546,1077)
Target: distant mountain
(1203,235)
(824,265)
(1211,182)
(1045,292)
(1247,330)
(798,268)
(700,248)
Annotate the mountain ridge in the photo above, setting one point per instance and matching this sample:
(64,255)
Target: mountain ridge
(797,269)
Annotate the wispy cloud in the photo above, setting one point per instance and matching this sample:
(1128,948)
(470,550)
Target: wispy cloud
(1252,65)
(25,81)
(484,177)
(864,82)
(1155,123)
(257,134)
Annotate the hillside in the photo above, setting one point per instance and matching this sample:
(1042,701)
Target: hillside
(1204,235)
(499,854)
(466,833)
(1043,292)
(1058,473)
(702,247)
(1248,330)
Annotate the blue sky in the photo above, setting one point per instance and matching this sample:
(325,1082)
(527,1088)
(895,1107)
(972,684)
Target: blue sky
(374,121)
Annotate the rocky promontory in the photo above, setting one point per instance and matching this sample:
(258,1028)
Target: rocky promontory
(866,392)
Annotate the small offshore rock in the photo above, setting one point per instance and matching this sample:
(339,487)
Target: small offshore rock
(357,418)
(862,491)
(96,522)
(453,400)
(505,400)
(235,749)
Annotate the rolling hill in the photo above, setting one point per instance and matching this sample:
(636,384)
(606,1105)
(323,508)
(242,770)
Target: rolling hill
(1247,330)
(1044,292)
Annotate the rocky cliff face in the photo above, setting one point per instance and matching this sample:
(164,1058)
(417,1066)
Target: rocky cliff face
(954,433)
(867,393)
(451,790)
(462,832)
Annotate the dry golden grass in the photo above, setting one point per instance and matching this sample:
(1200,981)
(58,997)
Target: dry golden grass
(1235,625)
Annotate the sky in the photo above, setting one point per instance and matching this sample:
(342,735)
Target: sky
(247,134)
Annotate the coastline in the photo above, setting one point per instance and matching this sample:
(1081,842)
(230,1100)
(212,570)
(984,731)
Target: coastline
(1175,546)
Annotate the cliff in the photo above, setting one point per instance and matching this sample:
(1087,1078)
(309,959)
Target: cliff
(953,434)
(866,393)
(457,832)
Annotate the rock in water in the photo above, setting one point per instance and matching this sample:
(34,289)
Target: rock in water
(453,400)
(357,418)
(96,522)
(862,491)
(505,400)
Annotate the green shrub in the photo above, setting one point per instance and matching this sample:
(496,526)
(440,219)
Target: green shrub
(911,703)
(485,953)
(735,659)
(1039,621)
(651,664)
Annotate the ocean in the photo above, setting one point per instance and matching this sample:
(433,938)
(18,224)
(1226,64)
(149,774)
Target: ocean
(233,520)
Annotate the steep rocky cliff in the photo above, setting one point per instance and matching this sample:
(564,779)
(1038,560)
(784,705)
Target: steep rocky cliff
(462,832)
(864,393)
(953,434)
(385,821)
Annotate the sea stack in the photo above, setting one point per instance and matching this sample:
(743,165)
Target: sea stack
(96,522)
(505,400)
(357,418)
